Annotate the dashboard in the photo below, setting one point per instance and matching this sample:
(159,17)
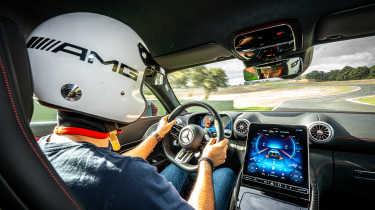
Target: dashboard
(328,131)
(339,148)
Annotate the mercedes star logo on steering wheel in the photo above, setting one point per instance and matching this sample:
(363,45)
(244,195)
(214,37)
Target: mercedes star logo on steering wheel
(187,136)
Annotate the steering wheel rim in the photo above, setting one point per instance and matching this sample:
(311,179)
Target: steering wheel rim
(167,143)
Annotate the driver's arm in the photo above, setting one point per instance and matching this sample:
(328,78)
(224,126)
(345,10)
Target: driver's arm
(144,149)
(202,196)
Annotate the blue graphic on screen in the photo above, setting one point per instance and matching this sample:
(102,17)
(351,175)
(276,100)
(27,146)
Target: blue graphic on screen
(276,155)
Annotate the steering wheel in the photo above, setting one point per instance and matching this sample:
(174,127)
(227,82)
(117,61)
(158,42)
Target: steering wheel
(190,137)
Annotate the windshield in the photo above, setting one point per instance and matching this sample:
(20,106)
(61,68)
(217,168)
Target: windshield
(341,77)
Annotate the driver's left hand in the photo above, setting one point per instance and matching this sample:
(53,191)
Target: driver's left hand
(164,126)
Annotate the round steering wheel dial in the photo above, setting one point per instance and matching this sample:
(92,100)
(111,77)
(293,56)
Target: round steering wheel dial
(190,137)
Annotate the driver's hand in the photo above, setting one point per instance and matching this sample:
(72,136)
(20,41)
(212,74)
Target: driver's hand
(164,126)
(217,152)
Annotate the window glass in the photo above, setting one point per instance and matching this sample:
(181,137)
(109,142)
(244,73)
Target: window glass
(341,77)
(153,106)
(43,113)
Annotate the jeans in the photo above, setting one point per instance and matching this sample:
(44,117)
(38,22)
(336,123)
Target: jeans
(224,180)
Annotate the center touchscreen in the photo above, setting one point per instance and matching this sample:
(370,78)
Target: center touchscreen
(277,155)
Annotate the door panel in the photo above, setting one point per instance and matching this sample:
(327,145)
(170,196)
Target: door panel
(136,132)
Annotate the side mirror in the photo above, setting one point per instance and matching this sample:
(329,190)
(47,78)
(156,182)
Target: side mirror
(284,69)
(151,109)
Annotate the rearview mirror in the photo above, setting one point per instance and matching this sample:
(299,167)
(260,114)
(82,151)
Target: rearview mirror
(288,68)
(265,44)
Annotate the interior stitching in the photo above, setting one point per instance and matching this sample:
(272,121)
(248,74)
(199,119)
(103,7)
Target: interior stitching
(12,102)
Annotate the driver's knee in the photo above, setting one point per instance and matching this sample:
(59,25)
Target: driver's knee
(175,175)
(224,176)
(224,180)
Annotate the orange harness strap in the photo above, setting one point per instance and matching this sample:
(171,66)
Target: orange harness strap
(90,133)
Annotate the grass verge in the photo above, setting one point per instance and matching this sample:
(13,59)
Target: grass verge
(253,108)
(367,100)
(344,89)
(43,113)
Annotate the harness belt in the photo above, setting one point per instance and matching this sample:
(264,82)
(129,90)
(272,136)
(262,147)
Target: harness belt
(90,133)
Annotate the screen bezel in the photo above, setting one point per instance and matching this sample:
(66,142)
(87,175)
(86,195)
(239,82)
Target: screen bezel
(304,143)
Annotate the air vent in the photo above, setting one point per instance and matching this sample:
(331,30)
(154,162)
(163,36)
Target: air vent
(241,127)
(320,132)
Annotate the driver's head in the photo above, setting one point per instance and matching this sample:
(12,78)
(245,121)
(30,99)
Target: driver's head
(90,67)
(271,72)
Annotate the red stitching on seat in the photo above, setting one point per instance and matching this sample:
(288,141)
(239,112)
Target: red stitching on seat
(13,104)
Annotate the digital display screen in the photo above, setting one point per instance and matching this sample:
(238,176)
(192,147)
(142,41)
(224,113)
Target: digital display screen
(278,153)
(208,122)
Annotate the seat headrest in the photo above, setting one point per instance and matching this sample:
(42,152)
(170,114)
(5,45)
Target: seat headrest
(15,59)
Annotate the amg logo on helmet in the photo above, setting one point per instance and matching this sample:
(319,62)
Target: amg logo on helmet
(47,44)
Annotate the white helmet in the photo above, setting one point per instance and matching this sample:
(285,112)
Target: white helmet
(90,64)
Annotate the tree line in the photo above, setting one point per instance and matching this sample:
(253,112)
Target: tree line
(347,73)
(200,77)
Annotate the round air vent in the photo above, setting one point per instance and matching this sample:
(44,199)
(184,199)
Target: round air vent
(241,127)
(321,132)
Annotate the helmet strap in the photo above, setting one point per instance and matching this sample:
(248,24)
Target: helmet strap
(114,140)
(77,120)
(71,123)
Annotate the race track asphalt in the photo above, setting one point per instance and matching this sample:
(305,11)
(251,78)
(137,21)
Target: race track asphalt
(331,103)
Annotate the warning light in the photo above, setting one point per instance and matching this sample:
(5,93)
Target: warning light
(279,33)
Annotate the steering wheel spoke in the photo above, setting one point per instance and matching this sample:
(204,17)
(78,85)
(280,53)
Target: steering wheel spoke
(175,131)
(184,156)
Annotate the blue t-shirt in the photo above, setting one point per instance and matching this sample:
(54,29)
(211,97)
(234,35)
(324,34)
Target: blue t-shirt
(102,179)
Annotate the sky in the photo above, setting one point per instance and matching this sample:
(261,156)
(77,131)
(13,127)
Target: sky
(326,57)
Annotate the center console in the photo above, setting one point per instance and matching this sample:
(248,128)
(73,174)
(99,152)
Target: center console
(276,168)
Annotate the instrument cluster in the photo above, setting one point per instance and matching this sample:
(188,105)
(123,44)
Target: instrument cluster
(207,122)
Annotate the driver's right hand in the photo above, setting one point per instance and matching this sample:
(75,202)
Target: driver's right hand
(217,152)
